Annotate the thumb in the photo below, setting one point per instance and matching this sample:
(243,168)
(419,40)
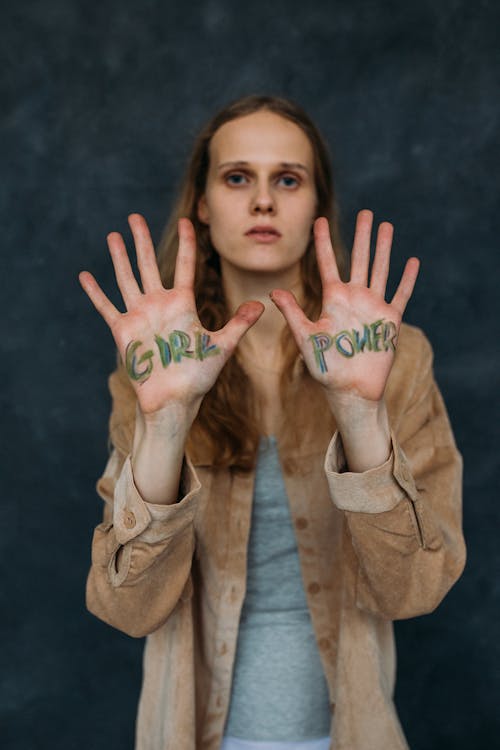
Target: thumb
(288,306)
(245,316)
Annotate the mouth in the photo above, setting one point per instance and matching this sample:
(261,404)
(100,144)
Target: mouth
(263,233)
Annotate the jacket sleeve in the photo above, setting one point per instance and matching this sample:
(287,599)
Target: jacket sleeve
(405,517)
(141,552)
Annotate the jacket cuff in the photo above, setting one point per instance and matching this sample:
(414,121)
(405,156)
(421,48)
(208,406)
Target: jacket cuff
(374,491)
(134,517)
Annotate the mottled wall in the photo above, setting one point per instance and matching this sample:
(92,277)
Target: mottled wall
(100,102)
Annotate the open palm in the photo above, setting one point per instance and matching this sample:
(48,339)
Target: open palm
(168,354)
(350,349)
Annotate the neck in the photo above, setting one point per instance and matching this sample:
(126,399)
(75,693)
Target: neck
(261,344)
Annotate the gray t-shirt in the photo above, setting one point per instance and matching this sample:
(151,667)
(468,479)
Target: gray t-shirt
(279,690)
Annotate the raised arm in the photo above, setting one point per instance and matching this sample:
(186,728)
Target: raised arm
(146,538)
(397,476)
(171,360)
(350,349)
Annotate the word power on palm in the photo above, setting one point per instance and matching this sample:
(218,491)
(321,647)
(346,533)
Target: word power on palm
(172,349)
(379,336)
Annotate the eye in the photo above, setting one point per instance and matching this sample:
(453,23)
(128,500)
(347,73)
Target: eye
(235,178)
(289,180)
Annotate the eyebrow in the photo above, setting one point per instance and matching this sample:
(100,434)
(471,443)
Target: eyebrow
(282,165)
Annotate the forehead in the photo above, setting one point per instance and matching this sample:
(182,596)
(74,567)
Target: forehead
(261,137)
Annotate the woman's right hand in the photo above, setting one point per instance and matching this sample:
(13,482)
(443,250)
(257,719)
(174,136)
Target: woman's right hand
(168,354)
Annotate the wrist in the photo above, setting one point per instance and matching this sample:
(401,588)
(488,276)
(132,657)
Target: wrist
(173,409)
(158,449)
(354,412)
(364,430)
(173,418)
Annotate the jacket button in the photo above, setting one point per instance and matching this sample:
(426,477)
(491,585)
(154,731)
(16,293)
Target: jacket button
(301,523)
(128,519)
(313,587)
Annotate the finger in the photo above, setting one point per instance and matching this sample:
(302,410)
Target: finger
(325,254)
(185,263)
(406,285)
(292,312)
(145,252)
(98,298)
(125,278)
(380,268)
(360,256)
(245,316)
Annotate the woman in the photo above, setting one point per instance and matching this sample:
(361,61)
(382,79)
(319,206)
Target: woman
(283,481)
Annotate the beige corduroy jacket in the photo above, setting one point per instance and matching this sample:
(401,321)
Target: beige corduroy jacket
(373,547)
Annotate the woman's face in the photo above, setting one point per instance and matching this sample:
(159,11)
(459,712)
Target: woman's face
(260,197)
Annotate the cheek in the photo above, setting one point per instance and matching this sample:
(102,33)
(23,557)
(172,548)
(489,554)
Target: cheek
(223,213)
(304,219)
(304,209)
(222,223)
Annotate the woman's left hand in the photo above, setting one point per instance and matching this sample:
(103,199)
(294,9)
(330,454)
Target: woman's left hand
(350,349)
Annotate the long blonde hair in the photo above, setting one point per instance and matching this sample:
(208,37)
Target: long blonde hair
(227,424)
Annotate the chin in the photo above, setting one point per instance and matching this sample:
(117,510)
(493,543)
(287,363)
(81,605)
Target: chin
(263,260)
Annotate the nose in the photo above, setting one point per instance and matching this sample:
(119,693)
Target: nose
(262,201)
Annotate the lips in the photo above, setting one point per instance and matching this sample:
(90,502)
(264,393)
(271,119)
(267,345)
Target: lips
(264,230)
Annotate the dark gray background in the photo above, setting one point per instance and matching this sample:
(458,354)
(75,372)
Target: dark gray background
(99,106)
